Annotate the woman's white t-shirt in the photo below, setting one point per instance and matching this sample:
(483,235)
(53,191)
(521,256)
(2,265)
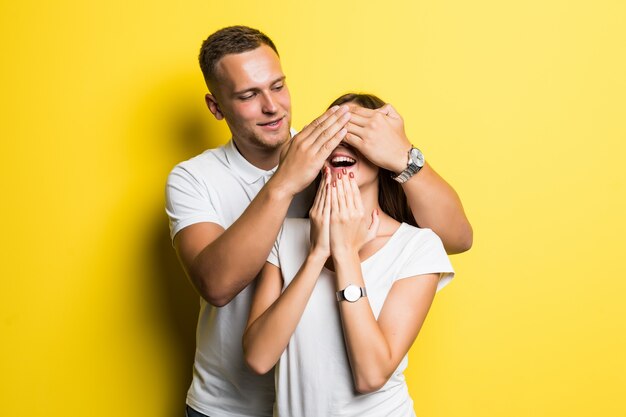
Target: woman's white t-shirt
(313,376)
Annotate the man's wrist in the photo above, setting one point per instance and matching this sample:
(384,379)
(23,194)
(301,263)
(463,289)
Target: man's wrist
(415,162)
(401,160)
(280,189)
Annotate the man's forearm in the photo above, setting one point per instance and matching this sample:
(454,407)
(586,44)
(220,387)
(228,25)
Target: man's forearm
(229,263)
(436,205)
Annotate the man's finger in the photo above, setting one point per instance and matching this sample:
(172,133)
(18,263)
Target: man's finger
(307,129)
(329,128)
(353,140)
(390,111)
(326,149)
(284,150)
(359,119)
(363,112)
(357,130)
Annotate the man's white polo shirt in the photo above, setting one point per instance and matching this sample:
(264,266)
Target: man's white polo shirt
(217,186)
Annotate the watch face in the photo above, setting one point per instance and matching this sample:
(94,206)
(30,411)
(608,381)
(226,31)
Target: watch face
(417,157)
(352,293)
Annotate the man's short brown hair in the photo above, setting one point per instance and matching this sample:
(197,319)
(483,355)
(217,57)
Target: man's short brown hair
(229,40)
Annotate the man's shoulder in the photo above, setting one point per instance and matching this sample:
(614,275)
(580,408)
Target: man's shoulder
(207,158)
(209,162)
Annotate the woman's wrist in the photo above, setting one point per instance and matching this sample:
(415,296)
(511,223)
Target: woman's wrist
(317,256)
(339,253)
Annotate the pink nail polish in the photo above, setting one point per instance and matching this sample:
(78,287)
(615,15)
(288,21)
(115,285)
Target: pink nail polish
(334,183)
(345,171)
(338,176)
(352,175)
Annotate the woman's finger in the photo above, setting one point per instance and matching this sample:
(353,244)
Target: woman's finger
(341,194)
(372,230)
(318,195)
(347,186)
(324,194)
(334,204)
(356,193)
(326,206)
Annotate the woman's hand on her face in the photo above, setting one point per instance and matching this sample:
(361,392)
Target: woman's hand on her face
(320,218)
(350,227)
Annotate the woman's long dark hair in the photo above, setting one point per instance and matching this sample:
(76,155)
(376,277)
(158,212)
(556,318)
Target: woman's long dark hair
(391,197)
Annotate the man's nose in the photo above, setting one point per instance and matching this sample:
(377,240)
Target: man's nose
(269,105)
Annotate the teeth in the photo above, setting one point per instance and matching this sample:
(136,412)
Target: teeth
(339,159)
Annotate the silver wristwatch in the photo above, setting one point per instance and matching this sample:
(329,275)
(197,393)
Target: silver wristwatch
(416,162)
(351,293)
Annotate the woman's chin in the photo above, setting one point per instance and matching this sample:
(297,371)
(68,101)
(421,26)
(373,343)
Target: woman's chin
(335,171)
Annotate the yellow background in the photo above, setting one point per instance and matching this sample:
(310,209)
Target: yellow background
(520,105)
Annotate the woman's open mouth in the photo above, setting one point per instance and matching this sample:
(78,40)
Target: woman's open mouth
(341,161)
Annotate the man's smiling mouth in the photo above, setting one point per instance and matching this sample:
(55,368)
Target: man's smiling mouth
(272,123)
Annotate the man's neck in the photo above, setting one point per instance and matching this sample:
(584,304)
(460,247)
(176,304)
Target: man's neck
(260,157)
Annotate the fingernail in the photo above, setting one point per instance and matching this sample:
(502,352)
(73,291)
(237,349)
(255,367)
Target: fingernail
(334,183)
(351,175)
(338,176)
(345,171)
(334,108)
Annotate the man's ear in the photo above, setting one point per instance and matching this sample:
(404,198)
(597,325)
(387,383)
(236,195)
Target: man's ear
(214,108)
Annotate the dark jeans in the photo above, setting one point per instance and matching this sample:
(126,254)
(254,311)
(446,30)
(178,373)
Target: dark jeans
(190,412)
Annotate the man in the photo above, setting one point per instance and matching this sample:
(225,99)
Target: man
(227,205)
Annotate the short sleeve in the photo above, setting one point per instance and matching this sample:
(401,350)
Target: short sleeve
(425,254)
(187,201)
(273,257)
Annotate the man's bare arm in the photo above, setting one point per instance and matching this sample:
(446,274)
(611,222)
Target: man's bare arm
(221,263)
(433,202)
(436,205)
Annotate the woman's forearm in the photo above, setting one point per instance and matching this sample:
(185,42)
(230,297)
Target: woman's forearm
(369,353)
(266,338)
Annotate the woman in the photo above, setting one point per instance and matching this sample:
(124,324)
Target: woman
(344,293)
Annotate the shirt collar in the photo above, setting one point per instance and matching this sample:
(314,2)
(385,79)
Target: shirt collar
(248,172)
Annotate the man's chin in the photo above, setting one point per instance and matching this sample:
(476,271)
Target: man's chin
(274,141)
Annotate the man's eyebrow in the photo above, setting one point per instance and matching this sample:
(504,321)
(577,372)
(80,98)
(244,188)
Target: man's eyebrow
(246,90)
(283,78)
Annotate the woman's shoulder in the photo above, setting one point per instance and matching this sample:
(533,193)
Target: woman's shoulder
(418,235)
(294,228)
(295,223)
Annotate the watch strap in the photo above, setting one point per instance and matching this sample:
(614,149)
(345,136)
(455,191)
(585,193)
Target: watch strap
(411,168)
(342,297)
